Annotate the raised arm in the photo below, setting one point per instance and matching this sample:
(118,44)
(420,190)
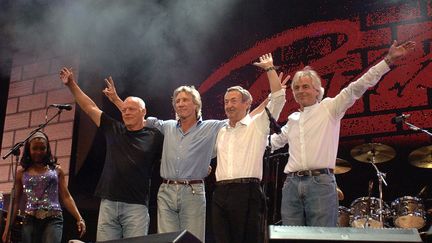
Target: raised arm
(266,63)
(69,202)
(111,92)
(356,89)
(86,104)
(260,107)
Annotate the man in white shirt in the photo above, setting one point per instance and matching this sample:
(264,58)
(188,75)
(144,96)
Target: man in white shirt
(309,194)
(237,205)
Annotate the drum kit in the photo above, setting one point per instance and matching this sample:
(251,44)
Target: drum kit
(373,212)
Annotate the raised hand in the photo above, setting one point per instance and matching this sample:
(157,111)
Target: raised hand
(110,90)
(265,61)
(284,81)
(397,51)
(66,75)
(263,104)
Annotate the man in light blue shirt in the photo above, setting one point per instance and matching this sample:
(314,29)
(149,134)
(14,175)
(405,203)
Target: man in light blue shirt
(187,151)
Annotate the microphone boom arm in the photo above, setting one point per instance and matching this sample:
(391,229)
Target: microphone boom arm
(415,128)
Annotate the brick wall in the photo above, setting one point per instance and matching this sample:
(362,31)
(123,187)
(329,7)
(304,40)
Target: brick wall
(34,85)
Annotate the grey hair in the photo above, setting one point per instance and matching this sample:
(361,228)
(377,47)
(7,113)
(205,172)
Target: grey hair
(246,96)
(196,98)
(316,80)
(140,101)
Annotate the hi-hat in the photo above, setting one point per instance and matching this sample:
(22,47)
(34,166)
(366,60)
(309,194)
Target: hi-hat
(380,152)
(421,157)
(342,166)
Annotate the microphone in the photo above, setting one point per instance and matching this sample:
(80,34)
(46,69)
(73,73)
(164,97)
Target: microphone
(273,123)
(401,118)
(67,107)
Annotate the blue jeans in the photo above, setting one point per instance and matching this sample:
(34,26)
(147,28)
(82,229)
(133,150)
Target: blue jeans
(48,230)
(181,209)
(310,201)
(119,220)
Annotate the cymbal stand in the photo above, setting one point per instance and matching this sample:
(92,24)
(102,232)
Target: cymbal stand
(381,179)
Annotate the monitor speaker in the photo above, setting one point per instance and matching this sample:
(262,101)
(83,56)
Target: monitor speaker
(172,237)
(340,234)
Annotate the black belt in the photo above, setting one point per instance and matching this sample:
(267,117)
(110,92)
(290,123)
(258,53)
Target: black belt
(182,182)
(239,181)
(316,172)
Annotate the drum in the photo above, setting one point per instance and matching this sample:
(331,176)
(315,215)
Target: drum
(343,217)
(408,212)
(365,213)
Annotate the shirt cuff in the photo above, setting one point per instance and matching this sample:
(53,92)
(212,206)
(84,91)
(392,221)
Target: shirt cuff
(383,66)
(277,93)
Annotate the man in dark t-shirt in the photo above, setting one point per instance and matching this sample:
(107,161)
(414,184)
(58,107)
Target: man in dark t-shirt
(132,150)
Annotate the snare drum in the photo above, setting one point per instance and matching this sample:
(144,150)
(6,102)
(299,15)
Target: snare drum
(408,212)
(343,217)
(365,213)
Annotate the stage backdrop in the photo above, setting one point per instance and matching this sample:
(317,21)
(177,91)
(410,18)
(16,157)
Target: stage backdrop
(152,47)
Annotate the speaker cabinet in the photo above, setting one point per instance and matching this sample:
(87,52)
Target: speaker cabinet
(172,237)
(341,234)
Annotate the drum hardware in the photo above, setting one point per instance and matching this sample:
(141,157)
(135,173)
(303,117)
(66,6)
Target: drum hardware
(370,187)
(421,157)
(342,166)
(375,153)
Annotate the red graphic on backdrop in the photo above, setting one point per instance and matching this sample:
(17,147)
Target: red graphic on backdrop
(341,51)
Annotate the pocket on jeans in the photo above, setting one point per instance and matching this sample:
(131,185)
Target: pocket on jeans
(323,179)
(198,189)
(287,181)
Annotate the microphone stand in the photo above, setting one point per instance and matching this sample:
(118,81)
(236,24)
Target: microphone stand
(381,179)
(266,173)
(266,168)
(15,150)
(415,128)
(277,157)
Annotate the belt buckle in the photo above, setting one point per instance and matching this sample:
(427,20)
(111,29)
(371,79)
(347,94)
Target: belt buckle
(304,173)
(41,214)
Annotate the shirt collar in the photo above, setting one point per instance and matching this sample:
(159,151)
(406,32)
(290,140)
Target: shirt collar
(308,108)
(245,121)
(197,123)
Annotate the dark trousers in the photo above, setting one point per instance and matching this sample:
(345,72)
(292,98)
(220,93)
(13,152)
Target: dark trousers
(237,213)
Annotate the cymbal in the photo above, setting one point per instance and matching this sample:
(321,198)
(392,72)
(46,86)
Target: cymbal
(340,194)
(342,166)
(365,152)
(421,157)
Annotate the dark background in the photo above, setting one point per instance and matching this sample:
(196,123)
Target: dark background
(152,47)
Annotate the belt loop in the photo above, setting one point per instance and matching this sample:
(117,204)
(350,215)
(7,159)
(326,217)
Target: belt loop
(193,190)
